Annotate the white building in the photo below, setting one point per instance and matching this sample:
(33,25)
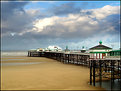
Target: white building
(83,49)
(40,50)
(100,51)
(54,48)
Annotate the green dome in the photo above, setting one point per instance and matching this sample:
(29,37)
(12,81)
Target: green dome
(100,42)
(82,47)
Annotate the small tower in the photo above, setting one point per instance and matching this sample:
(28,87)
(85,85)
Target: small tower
(67,49)
(83,49)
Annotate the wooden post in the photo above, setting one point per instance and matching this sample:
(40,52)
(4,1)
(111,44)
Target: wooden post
(77,58)
(68,58)
(56,56)
(80,59)
(90,72)
(112,74)
(63,57)
(100,74)
(73,58)
(113,70)
(59,56)
(28,53)
(105,66)
(94,72)
(118,69)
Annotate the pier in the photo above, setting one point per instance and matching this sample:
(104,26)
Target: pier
(65,57)
(99,68)
(105,69)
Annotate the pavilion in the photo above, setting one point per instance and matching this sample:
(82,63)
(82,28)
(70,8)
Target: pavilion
(100,51)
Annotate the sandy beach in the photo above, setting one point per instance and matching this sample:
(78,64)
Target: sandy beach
(45,74)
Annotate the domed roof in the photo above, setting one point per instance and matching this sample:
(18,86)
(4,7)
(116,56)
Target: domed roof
(100,42)
(83,48)
(54,47)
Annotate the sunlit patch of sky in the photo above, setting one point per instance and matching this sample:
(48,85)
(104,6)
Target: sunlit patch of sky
(85,4)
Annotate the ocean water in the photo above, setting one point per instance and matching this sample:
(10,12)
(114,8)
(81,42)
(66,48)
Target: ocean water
(108,86)
(13,53)
(16,64)
(10,59)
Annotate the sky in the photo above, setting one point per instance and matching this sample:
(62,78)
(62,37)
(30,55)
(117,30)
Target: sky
(38,24)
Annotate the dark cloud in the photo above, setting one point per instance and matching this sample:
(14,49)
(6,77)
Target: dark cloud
(8,8)
(64,9)
(114,21)
(110,24)
(16,19)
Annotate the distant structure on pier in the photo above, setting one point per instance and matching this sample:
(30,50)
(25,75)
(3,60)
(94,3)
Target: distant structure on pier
(114,54)
(39,49)
(53,48)
(66,50)
(49,48)
(97,52)
(83,50)
(100,51)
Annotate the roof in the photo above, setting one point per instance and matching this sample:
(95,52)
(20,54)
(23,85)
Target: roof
(66,50)
(99,52)
(115,51)
(100,46)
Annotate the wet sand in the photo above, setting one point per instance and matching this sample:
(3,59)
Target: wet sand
(47,75)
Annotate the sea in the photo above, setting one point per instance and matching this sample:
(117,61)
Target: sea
(13,53)
(110,86)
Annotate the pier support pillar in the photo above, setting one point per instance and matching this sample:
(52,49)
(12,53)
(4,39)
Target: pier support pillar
(100,74)
(94,64)
(91,72)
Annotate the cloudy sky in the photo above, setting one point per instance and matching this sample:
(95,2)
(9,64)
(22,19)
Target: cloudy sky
(31,25)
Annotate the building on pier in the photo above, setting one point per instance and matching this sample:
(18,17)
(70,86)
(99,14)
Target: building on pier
(83,50)
(53,48)
(40,49)
(100,51)
(114,54)
(33,50)
(66,50)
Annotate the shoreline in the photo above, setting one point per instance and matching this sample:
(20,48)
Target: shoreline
(49,75)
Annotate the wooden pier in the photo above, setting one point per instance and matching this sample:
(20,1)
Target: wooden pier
(65,57)
(99,68)
(105,68)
